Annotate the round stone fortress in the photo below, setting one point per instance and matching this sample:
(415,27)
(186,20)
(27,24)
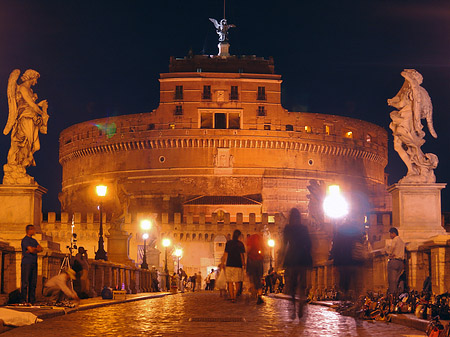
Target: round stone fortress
(220,131)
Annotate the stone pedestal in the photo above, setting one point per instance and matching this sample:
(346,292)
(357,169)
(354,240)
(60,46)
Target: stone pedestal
(224,48)
(118,243)
(416,211)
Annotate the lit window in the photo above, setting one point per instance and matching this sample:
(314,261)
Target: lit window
(327,129)
(348,134)
(368,138)
(308,129)
(171,126)
(271,218)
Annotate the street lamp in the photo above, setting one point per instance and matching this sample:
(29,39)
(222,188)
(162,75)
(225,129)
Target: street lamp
(334,205)
(271,244)
(144,264)
(178,254)
(100,254)
(166,243)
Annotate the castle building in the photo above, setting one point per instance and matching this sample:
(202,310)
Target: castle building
(220,152)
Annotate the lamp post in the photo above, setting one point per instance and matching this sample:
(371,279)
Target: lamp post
(178,254)
(144,264)
(145,226)
(166,243)
(100,254)
(334,205)
(271,244)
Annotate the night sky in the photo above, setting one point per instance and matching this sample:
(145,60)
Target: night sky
(103,58)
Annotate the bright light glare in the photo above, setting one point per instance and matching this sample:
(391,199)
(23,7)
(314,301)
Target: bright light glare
(334,205)
(178,252)
(271,243)
(146,225)
(145,236)
(166,242)
(101,190)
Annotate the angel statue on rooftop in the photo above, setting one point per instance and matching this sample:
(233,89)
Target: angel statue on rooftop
(25,120)
(222,28)
(413,104)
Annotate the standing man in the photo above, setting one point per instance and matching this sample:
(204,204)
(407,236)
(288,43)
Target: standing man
(233,258)
(396,255)
(30,248)
(212,279)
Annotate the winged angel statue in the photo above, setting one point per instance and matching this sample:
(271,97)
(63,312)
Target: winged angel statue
(413,104)
(222,28)
(25,120)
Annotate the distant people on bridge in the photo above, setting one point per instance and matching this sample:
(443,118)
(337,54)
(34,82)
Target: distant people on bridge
(234,261)
(194,281)
(255,265)
(396,265)
(183,279)
(297,258)
(30,248)
(212,279)
(345,255)
(199,280)
(269,280)
(154,277)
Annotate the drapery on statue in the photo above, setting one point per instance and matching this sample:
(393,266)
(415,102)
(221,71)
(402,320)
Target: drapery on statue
(222,28)
(413,104)
(25,120)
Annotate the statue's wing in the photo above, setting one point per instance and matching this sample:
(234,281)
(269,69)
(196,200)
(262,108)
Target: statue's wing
(12,103)
(427,110)
(214,21)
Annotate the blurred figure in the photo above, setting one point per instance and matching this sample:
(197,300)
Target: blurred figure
(255,264)
(347,260)
(395,267)
(269,281)
(234,262)
(221,282)
(297,258)
(194,281)
(57,287)
(212,279)
(199,281)
(81,268)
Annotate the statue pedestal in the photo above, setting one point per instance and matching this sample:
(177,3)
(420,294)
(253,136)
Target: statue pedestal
(224,48)
(21,205)
(416,210)
(118,243)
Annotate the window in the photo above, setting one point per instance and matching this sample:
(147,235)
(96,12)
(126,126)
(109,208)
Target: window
(261,111)
(206,92)
(178,110)
(234,121)
(172,126)
(206,120)
(220,121)
(327,129)
(261,94)
(308,129)
(179,92)
(289,127)
(368,138)
(348,134)
(234,94)
(266,126)
(151,126)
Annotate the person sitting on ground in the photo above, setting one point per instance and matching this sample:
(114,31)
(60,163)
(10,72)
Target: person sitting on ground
(56,287)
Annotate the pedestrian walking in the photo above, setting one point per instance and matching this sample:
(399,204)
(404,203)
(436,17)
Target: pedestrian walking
(347,238)
(212,279)
(297,258)
(194,281)
(29,265)
(233,258)
(255,265)
(199,281)
(396,255)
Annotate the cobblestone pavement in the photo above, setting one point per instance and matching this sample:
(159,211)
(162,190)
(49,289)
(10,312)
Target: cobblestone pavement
(206,314)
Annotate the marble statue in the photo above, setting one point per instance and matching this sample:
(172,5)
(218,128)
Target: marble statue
(26,119)
(413,104)
(222,28)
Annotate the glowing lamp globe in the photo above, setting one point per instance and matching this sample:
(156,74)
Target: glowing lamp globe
(271,243)
(166,242)
(146,225)
(334,205)
(101,190)
(145,236)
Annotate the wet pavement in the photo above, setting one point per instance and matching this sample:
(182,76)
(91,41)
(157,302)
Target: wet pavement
(206,314)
